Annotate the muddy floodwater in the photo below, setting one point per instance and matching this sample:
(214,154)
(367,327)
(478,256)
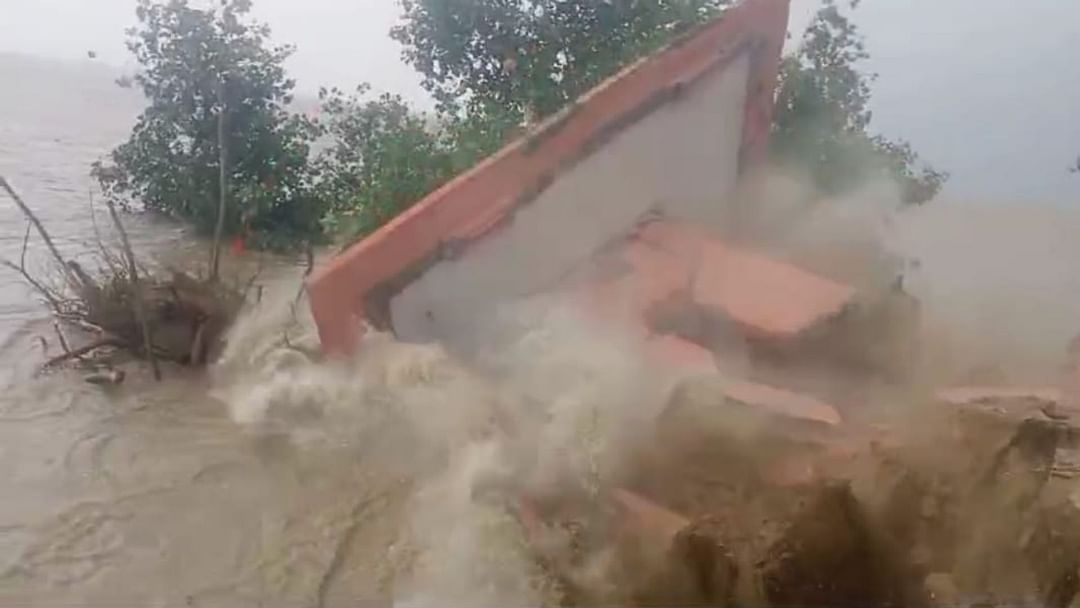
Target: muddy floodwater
(153,496)
(272,480)
(145,494)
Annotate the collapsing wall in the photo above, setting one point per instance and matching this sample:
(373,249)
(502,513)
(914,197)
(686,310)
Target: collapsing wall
(680,159)
(672,130)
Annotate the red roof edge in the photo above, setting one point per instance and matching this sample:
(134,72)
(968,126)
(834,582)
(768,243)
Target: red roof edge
(354,285)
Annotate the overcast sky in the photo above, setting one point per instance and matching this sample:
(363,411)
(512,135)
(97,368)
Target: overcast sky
(339,42)
(989,89)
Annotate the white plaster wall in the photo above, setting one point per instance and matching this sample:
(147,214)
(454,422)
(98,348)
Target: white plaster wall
(682,157)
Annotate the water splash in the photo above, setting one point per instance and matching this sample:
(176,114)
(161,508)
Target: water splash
(551,400)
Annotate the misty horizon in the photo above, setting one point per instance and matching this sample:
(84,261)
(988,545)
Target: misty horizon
(984,90)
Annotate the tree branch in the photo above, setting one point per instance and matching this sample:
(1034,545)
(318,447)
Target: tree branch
(25,242)
(309,254)
(223,187)
(251,280)
(140,305)
(60,336)
(48,295)
(72,281)
(107,257)
(82,350)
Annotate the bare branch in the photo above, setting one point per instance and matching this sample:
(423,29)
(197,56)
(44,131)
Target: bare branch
(25,242)
(254,277)
(106,255)
(52,299)
(60,336)
(72,280)
(82,350)
(223,188)
(83,325)
(140,305)
(309,253)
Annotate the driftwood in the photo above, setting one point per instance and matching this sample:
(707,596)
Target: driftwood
(83,350)
(61,338)
(163,314)
(136,292)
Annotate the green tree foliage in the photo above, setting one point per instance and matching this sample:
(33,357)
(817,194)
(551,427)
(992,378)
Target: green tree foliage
(532,58)
(822,115)
(384,157)
(195,65)
(491,65)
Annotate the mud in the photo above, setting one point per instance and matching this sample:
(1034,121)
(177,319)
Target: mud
(563,469)
(712,523)
(560,467)
(553,469)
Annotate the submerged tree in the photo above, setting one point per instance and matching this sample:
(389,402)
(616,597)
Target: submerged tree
(384,157)
(216,126)
(532,58)
(494,66)
(822,116)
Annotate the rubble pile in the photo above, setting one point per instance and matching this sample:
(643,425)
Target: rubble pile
(728,503)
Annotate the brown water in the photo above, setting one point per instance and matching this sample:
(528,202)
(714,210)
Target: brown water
(270,481)
(144,494)
(274,481)
(155,497)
